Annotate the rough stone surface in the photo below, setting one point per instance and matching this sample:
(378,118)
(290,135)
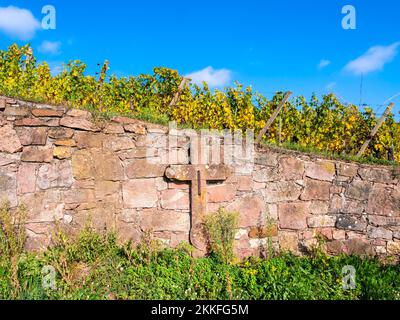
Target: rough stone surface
(293,215)
(140,193)
(37,154)
(9,141)
(65,169)
(321,170)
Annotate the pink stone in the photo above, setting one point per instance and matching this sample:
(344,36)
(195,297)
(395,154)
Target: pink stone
(245,183)
(293,215)
(26,178)
(78,123)
(316,190)
(321,170)
(33,136)
(221,193)
(47,113)
(139,193)
(142,168)
(37,154)
(175,199)
(292,168)
(9,141)
(251,210)
(164,220)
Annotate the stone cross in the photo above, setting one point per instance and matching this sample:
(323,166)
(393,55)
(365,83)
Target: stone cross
(198,176)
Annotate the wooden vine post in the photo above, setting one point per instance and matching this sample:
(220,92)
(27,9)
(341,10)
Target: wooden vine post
(375,130)
(273,117)
(178,93)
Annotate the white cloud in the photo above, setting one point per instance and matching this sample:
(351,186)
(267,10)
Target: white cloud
(323,64)
(49,47)
(373,60)
(330,86)
(213,77)
(18,23)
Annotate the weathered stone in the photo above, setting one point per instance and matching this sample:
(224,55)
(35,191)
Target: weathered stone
(319,207)
(61,133)
(351,247)
(44,206)
(347,169)
(77,113)
(142,168)
(245,183)
(116,143)
(348,222)
(340,204)
(379,233)
(125,120)
(85,140)
(251,210)
(358,190)
(221,193)
(321,170)
(137,128)
(15,111)
(393,248)
(37,154)
(32,136)
(47,113)
(281,191)
(289,241)
(9,141)
(269,159)
(292,168)
(8,187)
(383,221)
(139,193)
(79,196)
(376,175)
(161,184)
(266,175)
(108,166)
(35,122)
(65,143)
(83,165)
(321,221)
(26,178)
(101,218)
(113,128)
(381,202)
(316,190)
(293,215)
(339,234)
(128,232)
(62,152)
(104,189)
(164,220)
(78,123)
(263,232)
(175,199)
(8,158)
(55,175)
(129,216)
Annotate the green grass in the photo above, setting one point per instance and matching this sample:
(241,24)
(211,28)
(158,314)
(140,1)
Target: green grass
(95,266)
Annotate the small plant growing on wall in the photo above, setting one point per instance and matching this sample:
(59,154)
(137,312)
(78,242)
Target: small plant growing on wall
(221,228)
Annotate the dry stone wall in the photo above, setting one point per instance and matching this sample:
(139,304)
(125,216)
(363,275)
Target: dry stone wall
(67,168)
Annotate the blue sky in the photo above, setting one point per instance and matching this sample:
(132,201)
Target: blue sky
(271,45)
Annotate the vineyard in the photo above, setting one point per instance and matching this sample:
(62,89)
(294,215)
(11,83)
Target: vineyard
(325,124)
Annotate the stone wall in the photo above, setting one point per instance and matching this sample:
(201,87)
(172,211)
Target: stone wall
(66,167)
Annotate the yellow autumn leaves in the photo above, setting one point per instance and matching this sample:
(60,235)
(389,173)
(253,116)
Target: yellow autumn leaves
(325,124)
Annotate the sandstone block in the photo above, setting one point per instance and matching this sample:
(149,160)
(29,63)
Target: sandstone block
(139,193)
(293,215)
(9,141)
